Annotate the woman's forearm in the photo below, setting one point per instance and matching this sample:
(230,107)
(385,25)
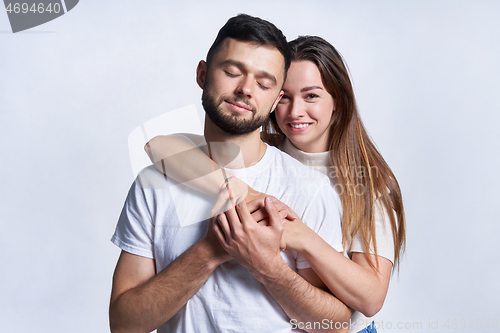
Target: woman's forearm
(179,158)
(353,281)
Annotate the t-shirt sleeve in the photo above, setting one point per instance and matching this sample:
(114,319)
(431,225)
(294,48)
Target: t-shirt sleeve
(383,235)
(323,216)
(135,229)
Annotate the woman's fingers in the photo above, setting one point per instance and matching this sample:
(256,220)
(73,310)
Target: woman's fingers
(223,224)
(274,215)
(219,233)
(221,203)
(262,216)
(255,205)
(290,214)
(258,204)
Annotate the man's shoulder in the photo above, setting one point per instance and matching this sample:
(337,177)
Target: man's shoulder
(151,178)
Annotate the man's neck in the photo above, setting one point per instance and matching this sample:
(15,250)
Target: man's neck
(224,146)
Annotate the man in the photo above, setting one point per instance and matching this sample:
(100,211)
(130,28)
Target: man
(178,277)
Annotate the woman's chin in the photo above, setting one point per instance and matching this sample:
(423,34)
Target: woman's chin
(297,142)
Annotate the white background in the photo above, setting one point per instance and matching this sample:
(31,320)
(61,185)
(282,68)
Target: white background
(426,76)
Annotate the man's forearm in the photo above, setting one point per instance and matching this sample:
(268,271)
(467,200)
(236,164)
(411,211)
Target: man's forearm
(305,303)
(151,304)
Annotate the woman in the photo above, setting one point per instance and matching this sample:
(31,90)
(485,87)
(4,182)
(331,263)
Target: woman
(319,117)
(317,122)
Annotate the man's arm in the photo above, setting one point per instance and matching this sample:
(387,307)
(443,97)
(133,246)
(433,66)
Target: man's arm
(142,301)
(256,247)
(304,301)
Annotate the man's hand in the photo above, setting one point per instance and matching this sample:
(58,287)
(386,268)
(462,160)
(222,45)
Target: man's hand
(255,246)
(212,242)
(259,213)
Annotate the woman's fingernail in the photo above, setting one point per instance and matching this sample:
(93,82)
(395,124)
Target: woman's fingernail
(283,222)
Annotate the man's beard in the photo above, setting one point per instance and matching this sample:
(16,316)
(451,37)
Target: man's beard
(227,123)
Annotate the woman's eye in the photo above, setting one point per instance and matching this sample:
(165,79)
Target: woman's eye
(284,99)
(311,96)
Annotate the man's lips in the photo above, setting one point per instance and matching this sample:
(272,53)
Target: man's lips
(238,106)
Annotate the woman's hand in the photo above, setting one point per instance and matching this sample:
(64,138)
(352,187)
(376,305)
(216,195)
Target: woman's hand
(228,198)
(231,193)
(297,235)
(260,214)
(255,246)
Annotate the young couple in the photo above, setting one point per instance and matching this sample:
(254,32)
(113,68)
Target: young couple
(182,278)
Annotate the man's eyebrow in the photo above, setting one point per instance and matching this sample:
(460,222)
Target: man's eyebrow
(242,66)
(268,76)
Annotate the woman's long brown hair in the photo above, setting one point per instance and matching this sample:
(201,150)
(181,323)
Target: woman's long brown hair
(352,153)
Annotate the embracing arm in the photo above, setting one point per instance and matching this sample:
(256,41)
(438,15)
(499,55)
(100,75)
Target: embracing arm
(178,157)
(304,300)
(355,282)
(142,301)
(181,159)
(256,247)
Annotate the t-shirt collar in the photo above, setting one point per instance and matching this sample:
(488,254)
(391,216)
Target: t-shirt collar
(310,159)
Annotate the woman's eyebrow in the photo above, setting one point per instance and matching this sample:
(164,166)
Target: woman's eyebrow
(310,88)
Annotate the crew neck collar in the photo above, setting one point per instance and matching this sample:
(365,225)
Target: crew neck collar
(256,168)
(310,159)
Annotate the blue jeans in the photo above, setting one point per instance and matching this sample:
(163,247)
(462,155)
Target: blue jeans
(369,329)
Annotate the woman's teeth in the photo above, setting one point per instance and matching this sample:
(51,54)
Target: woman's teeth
(299,125)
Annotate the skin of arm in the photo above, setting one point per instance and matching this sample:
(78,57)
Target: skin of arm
(141,301)
(355,282)
(178,157)
(256,247)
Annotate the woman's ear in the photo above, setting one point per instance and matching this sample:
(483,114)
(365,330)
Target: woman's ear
(201,73)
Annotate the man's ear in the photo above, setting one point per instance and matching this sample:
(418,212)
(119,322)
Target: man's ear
(277,100)
(201,73)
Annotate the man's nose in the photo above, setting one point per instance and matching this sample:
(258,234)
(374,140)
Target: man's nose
(245,86)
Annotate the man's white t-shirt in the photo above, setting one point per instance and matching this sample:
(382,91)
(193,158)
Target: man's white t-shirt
(161,219)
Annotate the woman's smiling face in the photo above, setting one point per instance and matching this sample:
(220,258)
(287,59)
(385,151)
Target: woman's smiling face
(306,108)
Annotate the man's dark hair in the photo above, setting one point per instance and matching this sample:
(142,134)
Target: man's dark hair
(246,28)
